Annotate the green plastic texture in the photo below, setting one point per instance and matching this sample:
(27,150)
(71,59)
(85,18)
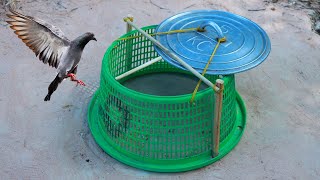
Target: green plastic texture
(159,133)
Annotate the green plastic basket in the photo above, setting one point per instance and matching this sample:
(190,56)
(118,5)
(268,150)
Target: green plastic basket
(159,133)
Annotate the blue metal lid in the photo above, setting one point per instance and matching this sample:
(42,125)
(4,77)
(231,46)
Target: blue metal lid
(247,44)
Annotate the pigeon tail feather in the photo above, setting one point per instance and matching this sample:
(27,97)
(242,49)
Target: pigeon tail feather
(53,86)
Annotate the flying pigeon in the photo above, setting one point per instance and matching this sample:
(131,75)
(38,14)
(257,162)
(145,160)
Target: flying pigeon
(50,46)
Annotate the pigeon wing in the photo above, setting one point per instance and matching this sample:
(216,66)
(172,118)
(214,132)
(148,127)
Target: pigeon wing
(46,41)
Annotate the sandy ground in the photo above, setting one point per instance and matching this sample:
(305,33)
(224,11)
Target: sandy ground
(51,140)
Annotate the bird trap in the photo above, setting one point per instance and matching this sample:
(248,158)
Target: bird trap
(136,118)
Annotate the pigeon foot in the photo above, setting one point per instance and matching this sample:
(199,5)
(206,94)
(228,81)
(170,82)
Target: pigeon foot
(81,83)
(73,78)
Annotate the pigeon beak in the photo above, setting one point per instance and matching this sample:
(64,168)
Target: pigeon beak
(94,39)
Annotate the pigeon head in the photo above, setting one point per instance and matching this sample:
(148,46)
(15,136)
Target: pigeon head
(90,36)
(82,40)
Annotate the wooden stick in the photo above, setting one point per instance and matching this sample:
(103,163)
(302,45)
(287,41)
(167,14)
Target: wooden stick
(172,55)
(138,68)
(129,27)
(217,118)
(129,46)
